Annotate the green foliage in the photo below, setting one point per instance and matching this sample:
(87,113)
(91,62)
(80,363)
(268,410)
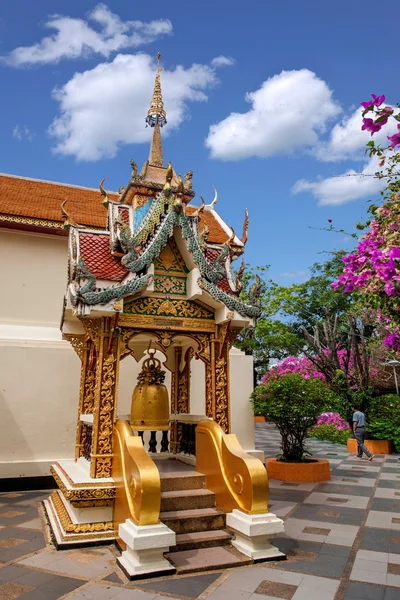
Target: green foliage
(383,421)
(330,433)
(307,304)
(386,406)
(294,404)
(286,309)
(271,338)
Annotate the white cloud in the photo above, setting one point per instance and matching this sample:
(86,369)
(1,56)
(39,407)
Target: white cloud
(76,38)
(22,132)
(288,112)
(352,185)
(222,61)
(347,140)
(295,276)
(105,107)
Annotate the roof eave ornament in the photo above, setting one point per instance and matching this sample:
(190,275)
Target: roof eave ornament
(245,233)
(215,200)
(68,221)
(106,200)
(201,208)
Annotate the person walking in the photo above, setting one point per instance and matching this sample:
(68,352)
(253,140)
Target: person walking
(359,432)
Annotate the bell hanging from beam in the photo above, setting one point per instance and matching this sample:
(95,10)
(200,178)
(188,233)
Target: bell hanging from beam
(150,403)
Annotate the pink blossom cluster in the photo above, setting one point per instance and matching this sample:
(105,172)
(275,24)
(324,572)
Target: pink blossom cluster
(381,118)
(305,367)
(392,341)
(375,265)
(293,364)
(333,418)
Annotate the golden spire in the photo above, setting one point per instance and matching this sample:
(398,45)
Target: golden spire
(156,117)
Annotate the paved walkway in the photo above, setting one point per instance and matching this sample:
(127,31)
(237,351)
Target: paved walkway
(342,541)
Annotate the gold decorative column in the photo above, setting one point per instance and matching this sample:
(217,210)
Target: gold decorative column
(183,399)
(225,339)
(86,396)
(210,382)
(83,348)
(107,367)
(173,443)
(174,381)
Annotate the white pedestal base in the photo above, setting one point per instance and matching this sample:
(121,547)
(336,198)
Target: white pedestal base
(252,534)
(145,547)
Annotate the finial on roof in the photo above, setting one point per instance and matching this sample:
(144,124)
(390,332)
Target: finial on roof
(201,208)
(214,202)
(156,117)
(106,200)
(68,221)
(245,233)
(168,180)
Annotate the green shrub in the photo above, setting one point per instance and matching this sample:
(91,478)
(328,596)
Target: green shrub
(386,406)
(383,421)
(293,404)
(330,433)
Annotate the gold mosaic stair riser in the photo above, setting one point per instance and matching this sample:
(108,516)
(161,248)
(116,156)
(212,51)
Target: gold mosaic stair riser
(70,527)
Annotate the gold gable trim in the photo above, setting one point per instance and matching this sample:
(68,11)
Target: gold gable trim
(160,307)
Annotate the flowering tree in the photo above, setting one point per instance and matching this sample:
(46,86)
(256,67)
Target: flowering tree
(293,364)
(373,268)
(333,418)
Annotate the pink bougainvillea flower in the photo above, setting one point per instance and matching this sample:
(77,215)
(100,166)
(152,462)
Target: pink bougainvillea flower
(392,341)
(395,139)
(370,125)
(376,101)
(368,105)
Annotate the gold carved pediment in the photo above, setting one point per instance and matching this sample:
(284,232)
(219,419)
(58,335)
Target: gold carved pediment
(168,307)
(170,272)
(170,260)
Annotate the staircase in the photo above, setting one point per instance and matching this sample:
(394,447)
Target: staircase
(188,508)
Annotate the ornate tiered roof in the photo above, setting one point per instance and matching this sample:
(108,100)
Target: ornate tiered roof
(116,239)
(150,228)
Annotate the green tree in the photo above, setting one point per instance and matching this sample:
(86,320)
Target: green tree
(294,404)
(272,338)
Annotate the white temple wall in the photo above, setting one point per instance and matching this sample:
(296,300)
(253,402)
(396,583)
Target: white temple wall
(38,406)
(33,270)
(39,373)
(241,385)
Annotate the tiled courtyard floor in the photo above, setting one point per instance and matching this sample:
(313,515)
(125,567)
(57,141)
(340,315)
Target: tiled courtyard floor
(342,540)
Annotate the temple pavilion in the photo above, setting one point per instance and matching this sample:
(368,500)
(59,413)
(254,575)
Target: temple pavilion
(150,281)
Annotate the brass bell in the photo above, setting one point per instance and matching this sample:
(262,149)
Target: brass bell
(150,404)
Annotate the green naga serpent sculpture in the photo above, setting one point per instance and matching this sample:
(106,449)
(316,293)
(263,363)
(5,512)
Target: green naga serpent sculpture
(87,294)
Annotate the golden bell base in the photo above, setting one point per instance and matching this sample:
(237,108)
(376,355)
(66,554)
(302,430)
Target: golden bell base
(139,427)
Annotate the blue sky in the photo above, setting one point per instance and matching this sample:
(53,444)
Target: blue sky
(270,124)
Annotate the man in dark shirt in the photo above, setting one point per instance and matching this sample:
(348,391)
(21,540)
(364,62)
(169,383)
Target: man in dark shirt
(359,432)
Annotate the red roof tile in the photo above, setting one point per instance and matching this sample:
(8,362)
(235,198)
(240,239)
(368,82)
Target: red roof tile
(217,234)
(95,252)
(42,200)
